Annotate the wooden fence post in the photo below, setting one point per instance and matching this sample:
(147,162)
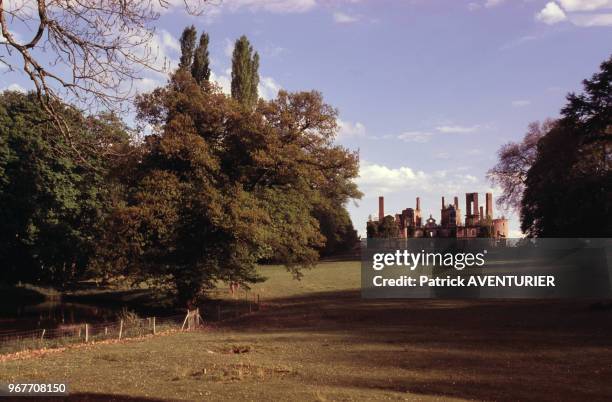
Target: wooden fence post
(42,336)
(154,325)
(185,320)
(120,328)
(86,333)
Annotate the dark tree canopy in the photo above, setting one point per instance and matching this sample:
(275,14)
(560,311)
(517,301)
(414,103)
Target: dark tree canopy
(51,203)
(387,228)
(568,189)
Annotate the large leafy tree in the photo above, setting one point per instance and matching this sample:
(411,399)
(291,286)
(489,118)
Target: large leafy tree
(245,73)
(220,188)
(568,189)
(53,196)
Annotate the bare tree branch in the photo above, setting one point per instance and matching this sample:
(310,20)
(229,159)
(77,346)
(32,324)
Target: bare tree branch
(86,52)
(515,159)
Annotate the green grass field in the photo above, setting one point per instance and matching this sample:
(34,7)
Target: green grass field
(318,340)
(325,277)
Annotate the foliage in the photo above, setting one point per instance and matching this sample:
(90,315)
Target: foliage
(188,43)
(387,228)
(52,195)
(568,187)
(245,75)
(220,188)
(220,184)
(337,228)
(514,160)
(200,69)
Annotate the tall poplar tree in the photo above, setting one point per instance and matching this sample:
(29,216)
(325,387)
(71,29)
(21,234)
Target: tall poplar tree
(188,42)
(245,74)
(200,69)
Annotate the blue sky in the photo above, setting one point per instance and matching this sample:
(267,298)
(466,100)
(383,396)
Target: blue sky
(427,90)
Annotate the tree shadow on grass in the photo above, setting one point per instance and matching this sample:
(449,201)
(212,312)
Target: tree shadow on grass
(475,349)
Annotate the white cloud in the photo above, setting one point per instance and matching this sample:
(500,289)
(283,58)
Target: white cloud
(592,20)
(228,49)
(518,42)
(457,129)
(585,5)
(346,129)
(268,88)
(161,49)
(223,80)
(493,3)
(144,85)
(274,51)
(551,14)
(342,18)
(380,179)
(473,6)
(521,103)
(14,87)
(425,136)
(274,6)
(168,41)
(415,136)
(215,7)
(578,12)
(474,152)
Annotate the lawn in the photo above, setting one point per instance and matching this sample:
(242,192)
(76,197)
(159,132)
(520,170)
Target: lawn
(318,340)
(325,277)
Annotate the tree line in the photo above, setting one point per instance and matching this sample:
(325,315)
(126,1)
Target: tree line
(218,184)
(559,177)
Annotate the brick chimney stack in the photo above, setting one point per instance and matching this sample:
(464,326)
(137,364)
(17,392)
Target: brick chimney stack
(381,208)
(418,206)
(443,205)
(489,205)
(456,203)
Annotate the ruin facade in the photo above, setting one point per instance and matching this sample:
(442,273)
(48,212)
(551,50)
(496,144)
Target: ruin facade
(479,221)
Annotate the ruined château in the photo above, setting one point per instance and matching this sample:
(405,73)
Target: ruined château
(479,221)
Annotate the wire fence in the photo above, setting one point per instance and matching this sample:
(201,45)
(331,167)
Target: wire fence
(131,326)
(65,335)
